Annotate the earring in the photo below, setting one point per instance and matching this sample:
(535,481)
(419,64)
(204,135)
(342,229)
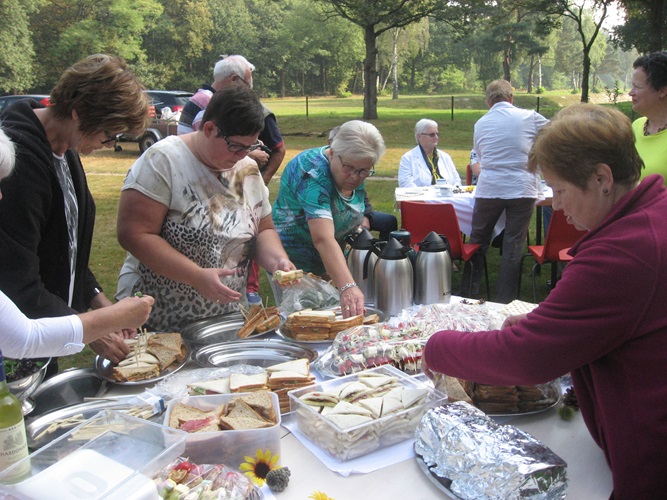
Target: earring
(605,191)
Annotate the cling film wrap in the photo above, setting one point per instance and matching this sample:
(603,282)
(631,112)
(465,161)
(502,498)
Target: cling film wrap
(400,341)
(474,457)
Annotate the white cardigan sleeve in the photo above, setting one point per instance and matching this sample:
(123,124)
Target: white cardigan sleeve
(21,337)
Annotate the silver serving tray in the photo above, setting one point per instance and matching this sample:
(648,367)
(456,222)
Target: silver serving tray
(67,388)
(369,310)
(36,427)
(260,353)
(216,330)
(104,369)
(441,483)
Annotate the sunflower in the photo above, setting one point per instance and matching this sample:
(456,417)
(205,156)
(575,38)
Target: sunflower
(318,495)
(257,467)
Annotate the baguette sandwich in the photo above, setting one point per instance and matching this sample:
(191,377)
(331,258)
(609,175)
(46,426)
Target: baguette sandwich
(287,277)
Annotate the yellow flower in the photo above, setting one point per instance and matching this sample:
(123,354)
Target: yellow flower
(318,495)
(257,467)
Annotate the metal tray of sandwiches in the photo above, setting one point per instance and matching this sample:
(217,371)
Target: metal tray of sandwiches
(140,367)
(259,352)
(227,328)
(316,337)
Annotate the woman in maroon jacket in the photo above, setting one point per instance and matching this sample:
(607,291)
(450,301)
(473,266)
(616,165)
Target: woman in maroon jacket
(605,321)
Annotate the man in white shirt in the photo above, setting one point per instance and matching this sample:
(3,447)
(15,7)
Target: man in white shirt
(502,140)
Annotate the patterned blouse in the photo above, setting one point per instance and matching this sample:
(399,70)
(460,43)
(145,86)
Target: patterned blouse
(213,219)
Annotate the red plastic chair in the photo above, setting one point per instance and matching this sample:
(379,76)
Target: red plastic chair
(560,236)
(421,218)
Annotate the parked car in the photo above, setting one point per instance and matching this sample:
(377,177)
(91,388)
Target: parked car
(158,129)
(8,100)
(173,99)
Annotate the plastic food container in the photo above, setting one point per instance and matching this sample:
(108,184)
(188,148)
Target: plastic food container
(352,442)
(227,446)
(111,455)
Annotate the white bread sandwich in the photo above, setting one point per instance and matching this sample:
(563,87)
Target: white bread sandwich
(241,382)
(217,386)
(142,357)
(301,366)
(135,372)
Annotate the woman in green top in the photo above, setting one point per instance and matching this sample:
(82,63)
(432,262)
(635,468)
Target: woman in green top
(649,89)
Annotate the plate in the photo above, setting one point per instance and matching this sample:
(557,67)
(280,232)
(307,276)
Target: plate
(105,367)
(67,388)
(36,428)
(369,310)
(261,353)
(216,329)
(441,483)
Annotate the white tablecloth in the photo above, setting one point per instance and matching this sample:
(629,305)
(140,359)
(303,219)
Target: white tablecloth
(464,203)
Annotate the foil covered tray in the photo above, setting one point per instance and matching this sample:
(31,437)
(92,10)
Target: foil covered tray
(440,482)
(369,310)
(67,388)
(261,353)
(105,367)
(216,329)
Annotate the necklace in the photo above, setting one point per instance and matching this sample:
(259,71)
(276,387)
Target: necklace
(646,132)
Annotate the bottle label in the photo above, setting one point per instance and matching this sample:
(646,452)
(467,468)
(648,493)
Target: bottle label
(13,447)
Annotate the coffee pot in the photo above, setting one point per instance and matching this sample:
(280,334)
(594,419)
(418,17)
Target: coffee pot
(361,261)
(433,270)
(392,277)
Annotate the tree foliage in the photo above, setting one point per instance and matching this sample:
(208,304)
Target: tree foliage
(645,25)
(16,47)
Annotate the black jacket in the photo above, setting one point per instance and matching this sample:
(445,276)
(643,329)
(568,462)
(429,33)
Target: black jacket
(34,243)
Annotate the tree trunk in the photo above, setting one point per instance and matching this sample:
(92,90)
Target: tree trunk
(531,73)
(539,70)
(585,74)
(655,26)
(394,62)
(283,90)
(370,75)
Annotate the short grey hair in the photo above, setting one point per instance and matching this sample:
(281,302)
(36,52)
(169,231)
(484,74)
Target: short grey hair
(333,133)
(232,66)
(7,155)
(422,125)
(499,91)
(357,140)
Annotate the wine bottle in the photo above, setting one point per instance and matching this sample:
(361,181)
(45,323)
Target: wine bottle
(13,442)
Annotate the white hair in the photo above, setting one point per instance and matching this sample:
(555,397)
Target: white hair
(232,66)
(7,155)
(422,125)
(359,140)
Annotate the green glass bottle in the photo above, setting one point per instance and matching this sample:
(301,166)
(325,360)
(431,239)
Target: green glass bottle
(13,442)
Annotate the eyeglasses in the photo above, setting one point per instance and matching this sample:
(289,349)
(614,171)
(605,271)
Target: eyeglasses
(235,147)
(110,138)
(249,85)
(361,172)
(432,135)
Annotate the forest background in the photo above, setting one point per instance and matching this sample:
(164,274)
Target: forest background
(324,47)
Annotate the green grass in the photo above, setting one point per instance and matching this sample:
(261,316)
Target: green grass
(106,169)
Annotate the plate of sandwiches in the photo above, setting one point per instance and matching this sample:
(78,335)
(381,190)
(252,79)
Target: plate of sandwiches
(323,324)
(279,378)
(152,357)
(255,322)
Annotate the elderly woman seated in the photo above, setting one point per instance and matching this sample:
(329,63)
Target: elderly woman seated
(321,201)
(425,164)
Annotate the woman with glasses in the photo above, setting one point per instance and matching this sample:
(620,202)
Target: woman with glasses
(194,212)
(47,215)
(426,164)
(321,201)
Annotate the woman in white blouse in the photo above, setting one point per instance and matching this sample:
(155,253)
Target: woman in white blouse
(425,164)
(21,337)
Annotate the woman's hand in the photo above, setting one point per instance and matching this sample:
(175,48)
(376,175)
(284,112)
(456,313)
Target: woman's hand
(352,302)
(134,310)
(427,371)
(513,320)
(208,284)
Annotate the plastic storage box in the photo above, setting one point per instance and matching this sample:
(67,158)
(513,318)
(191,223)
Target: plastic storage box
(227,447)
(351,442)
(110,456)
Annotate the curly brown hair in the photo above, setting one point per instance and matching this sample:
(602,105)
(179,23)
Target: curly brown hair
(105,94)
